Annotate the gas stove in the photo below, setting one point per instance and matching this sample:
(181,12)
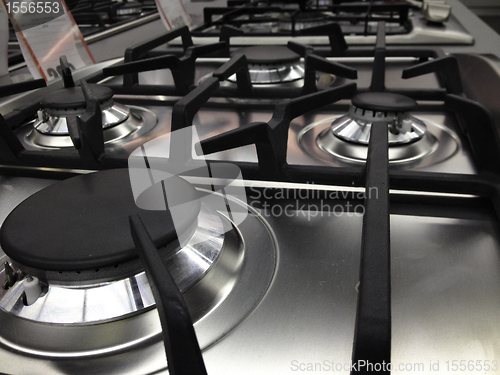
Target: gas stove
(335,207)
(275,22)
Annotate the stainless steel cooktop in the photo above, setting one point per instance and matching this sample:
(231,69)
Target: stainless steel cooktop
(280,292)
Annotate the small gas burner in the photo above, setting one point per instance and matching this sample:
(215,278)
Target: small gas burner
(411,140)
(372,107)
(271,65)
(50,129)
(303,20)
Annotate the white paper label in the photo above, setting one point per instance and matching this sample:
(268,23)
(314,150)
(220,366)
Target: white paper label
(42,45)
(4,42)
(173,14)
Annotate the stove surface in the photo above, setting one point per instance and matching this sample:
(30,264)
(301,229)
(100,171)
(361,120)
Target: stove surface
(435,291)
(283,292)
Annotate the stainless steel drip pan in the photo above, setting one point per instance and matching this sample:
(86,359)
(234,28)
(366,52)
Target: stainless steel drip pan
(445,294)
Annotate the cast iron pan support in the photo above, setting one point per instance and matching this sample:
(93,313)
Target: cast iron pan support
(18,88)
(315,63)
(237,65)
(181,345)
(477,124)
(378,71)
(138,51)
(448,69)
(66,72)
(10,146)
(86,131)
(226,32)
(338,45)
(372,336)
(183,112)
(182,68)
(271,138)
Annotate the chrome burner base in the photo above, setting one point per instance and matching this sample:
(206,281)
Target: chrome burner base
(436,145)
(67,303)
(323,80)
(226,294)
(269,74)
(139,121)
(356,126)
(55,124)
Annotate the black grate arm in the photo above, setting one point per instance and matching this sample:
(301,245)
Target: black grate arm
(315,63)
(477,123)
(447,67)
(237,65)
(18,88)
(338,45)
(66,72)
(86,131)
(378,71)
(183,112)
(10,144)
(136,52)
(271,138)
(372,337)
(226,32)
(181,345)
(182,68)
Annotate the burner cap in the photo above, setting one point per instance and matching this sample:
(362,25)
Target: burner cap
(82,223)
(72,97)
(268,55)
(384,102)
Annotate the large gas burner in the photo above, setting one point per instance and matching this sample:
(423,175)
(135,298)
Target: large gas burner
(348,136)
(87,277)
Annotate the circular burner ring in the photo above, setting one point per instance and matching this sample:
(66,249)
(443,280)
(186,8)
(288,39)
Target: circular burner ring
(271,65)
(238,291)
(57,124)
(82,223)
(268,55)
(139,122)
(371,107)
(318,140)
(63,302)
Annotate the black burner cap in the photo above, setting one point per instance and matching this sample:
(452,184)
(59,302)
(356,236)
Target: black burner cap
(72,97)
(384,102)
(274,55)
(82,223)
